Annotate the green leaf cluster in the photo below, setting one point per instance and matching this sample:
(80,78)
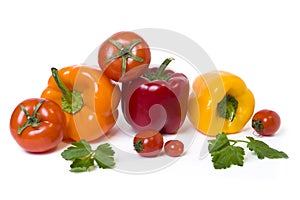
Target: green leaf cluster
(224,153)
(83,157)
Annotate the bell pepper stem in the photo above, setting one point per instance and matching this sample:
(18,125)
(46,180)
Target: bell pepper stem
(163,66)
(32,120)
(227,107)
(159,73)
(60,84)
(72,101)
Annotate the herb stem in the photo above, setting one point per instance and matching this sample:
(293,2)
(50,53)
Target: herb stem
(237,141)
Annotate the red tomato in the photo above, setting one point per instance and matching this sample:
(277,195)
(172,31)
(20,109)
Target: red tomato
(148,143)
(37,125)
(124,56)
(266,122)
(174,148)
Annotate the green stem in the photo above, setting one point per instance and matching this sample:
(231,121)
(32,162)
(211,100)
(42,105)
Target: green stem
(257,125)
(163,66)
(124,53)
(227,107)
(60,84)
(72,101)
(138,146)
(237,141)
(159,74)
(32,120)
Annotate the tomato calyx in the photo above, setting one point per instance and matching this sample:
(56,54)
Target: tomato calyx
(159,73)
(32,120)
(125,52)
(257,125)
(138,146)
(72,101)
(227,107)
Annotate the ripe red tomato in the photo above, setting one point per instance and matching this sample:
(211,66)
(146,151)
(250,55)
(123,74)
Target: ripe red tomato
(124,56)
(148,143)
(174,148)
(37,124)
(266,122)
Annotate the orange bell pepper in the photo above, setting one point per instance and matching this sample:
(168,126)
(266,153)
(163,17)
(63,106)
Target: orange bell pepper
(88,98)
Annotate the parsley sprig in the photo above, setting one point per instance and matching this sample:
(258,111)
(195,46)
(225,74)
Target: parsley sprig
(225,153)
(84,157)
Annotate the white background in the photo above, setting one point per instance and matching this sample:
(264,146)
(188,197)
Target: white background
(257,40)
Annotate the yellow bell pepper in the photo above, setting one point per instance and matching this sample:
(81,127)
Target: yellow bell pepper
(220,102)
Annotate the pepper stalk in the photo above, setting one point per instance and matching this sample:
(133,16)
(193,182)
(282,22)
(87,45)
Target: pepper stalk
(72,101)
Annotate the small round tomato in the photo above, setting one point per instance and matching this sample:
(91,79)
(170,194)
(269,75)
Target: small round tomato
(148,143)
(266,122)
(174,148)
(124,56)
(37,124)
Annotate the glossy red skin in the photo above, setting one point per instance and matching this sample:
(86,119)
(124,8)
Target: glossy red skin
(174,148)
(270,120)
(113,69)
(156,105)
(44,137)
(152,142)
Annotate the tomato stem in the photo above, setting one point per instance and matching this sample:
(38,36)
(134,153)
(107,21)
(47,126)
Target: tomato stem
(32,120)
(138,146)
(159,74)
(72,101)
(124,53)
(257,125)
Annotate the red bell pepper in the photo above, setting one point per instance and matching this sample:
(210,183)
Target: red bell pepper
(157,100)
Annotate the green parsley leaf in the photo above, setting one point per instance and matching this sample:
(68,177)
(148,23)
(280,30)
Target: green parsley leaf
(104,156)
(82,165)
(84,157)
(224,154)
(230,155)
(263,150)
(79,149)
(219,143)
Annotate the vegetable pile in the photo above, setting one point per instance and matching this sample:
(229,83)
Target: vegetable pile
(80,105)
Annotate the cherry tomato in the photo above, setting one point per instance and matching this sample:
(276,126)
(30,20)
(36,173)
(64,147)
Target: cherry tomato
(148,143)
(266,122)
(37,124)
(124,56)
(174,148)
